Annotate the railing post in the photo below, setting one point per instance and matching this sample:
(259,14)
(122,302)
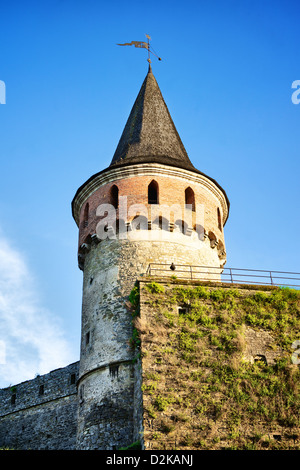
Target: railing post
(231,276)
(191,269)
(271,278)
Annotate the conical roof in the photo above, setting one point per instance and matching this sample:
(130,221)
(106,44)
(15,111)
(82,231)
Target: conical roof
(150,134)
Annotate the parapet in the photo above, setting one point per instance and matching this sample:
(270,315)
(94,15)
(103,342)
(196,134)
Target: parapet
(41,413)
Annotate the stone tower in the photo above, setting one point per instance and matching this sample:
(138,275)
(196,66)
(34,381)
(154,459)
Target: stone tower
(126,220)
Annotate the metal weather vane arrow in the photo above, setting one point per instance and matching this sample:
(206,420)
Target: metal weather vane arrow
(135,43)
(143,45)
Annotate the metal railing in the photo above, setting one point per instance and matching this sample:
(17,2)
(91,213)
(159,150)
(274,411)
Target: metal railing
(230,275)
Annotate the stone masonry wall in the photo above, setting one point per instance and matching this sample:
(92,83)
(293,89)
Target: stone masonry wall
(217,366)
(106,408)
(41,413)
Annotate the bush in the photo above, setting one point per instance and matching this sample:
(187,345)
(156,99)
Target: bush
(155,288)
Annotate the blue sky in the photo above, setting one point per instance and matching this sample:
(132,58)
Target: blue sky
(226,77)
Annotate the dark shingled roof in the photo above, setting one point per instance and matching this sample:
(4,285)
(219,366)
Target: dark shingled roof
(150,135)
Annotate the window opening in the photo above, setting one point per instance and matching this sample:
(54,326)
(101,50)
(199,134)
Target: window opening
(261,358)
(81,394)
(86,215)
(114,192)
(87,338)
(182,310)
(153,192)
(190,197)
(219,220)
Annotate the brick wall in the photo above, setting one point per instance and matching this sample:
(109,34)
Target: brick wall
(172,186)
(171,191)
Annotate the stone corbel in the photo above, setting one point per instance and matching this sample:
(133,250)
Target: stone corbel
(84,248)
(95,238)
(213,243)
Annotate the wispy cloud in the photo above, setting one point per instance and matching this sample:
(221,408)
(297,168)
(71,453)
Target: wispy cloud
(31,337)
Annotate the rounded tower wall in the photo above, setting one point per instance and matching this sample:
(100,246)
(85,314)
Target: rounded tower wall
(105,414)
(174,186)
(110,270)
(108,375)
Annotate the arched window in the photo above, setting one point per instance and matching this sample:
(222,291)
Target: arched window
(190,197)
(114,196)
(86,215)
(153,192)
(219,219)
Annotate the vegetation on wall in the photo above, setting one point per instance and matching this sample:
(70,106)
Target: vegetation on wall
(135,341)
(199,392)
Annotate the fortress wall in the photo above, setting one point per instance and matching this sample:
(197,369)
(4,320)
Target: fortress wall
(217,366)
(41,413)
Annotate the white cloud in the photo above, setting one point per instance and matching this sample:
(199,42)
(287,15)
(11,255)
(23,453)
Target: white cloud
(31,337)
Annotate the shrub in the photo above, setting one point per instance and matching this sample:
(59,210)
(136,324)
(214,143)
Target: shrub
(155,288)
(134,296)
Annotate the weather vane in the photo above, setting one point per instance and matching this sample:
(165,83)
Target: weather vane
(144,45)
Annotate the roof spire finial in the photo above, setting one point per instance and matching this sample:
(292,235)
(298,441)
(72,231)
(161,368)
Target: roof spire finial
(144,45)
